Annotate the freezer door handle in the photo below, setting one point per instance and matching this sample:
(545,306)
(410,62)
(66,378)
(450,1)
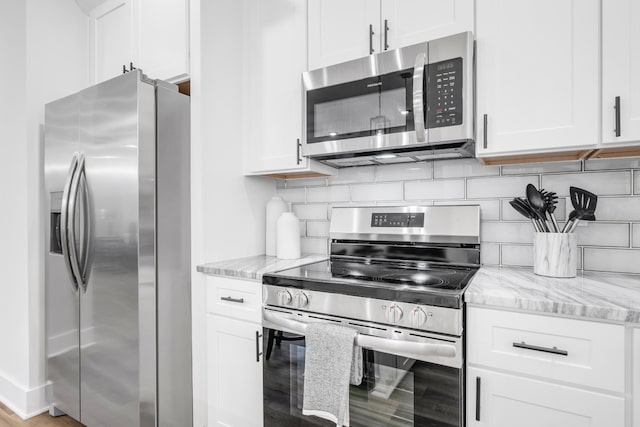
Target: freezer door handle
(71,229)
(64,220)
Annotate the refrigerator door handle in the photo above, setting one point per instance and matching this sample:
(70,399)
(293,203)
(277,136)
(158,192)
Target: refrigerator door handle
(64,220)
(86,222)
(71,229)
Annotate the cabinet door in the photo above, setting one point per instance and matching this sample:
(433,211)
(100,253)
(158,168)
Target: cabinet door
(636,377)
(234,372)
(537,75)
(339,30)
(163,39)
(508,400)
(621,70)
(415,21)
(111,37)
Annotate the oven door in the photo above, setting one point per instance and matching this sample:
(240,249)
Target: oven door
(396,390)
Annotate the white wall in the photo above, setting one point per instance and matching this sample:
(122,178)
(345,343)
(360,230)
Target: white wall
(228,209)
(45,46)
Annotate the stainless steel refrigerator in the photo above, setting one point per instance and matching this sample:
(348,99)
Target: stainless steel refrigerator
(118,317)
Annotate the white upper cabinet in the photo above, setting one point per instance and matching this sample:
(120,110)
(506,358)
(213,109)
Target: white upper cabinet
(344,30)
(413,21)
(111,38)
(151,35)
(620,71)
(163,39)
(537,76)
(275,58)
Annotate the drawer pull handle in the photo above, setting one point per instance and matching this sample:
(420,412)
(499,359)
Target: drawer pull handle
(258,352)
(554,350)
(238,300)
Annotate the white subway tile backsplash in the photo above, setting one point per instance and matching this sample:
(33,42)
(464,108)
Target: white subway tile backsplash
(618,209)
(374,192)
(317,229)
(537,168)
(489,209)
(488,188)
(517,255)
(490,254)
(605,245)
(314,245)
(614,260)
(315,211)
(506,232)
(292,195)
(336,193)
(434,190)
(355,174)
(306,182)
(604,164)
(462,169)
(599,183)
(405,172)
(600,234)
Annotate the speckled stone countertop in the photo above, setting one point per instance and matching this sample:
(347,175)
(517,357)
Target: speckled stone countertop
(598,296)
(253,267)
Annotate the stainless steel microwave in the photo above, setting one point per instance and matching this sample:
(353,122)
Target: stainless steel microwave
(409,104)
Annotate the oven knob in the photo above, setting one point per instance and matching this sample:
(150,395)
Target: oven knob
(284,297)
(394,313)
(303,299)
(418,317)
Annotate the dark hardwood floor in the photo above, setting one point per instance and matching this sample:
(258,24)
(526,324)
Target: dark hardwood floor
(9,419)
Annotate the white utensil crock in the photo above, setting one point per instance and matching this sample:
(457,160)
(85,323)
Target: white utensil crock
(555,254)
(288,242)
(275,207)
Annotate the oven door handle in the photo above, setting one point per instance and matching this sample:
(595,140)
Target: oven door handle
(384,345)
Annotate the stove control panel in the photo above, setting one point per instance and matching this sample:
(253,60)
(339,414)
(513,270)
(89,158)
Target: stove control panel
(412,219)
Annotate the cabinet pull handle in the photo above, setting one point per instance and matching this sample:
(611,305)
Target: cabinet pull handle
(371,39)
(230,299)
(554,350)
(386,34)
(486,120)
(124,69)
(258,352)
(477,398)
(617,108)
(298,147)
(131,67)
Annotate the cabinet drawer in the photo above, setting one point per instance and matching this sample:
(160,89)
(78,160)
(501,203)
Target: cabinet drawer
(502,400)
(240,299)
(576,351)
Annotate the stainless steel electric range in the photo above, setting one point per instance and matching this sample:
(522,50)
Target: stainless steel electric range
(397,275)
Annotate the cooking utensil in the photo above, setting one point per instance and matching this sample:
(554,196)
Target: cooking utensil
(536,200)
(523,208)
(550,202)
(575,217)
(584,204)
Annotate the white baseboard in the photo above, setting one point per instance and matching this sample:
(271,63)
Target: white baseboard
(25,403)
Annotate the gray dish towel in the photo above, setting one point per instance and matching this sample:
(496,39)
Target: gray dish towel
(332,361)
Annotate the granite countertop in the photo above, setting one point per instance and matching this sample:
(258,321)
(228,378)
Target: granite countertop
(600,296)
(253,267)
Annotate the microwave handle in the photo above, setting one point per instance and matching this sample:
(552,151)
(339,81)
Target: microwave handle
(418,97)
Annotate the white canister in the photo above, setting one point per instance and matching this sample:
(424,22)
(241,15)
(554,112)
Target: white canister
(555,254)
(275,207)
(288,242)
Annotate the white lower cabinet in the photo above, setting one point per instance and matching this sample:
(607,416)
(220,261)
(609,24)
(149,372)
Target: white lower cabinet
(636,377)
(503,400)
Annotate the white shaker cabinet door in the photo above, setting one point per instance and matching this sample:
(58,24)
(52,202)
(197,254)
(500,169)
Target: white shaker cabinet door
(163,39)
(620,71)
(111,37)
(339,30)
(234,372)
(502,400)
(414,21)
(537,75)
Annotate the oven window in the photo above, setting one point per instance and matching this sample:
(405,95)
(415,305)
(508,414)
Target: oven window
(395,391)
(363,108)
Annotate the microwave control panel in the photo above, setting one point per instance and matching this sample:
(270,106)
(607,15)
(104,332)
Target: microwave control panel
(444,93)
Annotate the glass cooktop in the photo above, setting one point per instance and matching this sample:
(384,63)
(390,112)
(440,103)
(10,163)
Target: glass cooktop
(421,283)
